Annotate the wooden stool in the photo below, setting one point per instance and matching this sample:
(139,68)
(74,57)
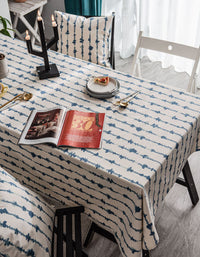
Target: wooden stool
(20,10)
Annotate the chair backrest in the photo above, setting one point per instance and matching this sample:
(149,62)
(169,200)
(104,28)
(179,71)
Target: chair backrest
(169,48)
(112,38)
(89,39)
(64,229)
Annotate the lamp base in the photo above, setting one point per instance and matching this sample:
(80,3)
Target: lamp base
(43,74)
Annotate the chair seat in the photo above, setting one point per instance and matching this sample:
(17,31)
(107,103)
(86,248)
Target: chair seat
(26,220)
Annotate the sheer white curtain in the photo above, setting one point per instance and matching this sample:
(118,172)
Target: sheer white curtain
(125,24)
(172,20)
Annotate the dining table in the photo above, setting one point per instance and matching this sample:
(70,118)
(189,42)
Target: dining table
(144,146)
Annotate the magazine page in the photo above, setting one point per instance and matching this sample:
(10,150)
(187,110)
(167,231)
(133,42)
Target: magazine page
(82,129)
(43,126)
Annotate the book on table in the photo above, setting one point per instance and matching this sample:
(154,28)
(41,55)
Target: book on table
(64,128)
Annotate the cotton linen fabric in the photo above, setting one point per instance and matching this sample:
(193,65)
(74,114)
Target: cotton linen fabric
(84,38)
(26,220)
(144,147)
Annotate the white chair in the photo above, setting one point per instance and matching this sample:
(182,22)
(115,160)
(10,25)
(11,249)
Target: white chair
(168,48)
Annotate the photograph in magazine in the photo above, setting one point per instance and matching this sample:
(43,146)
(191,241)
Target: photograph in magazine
(45,124)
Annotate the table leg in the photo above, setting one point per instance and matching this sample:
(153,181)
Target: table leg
(188,181)
(15,22)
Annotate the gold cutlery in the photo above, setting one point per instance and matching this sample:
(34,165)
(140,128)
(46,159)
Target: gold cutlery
(122,103)
(21,97)
(125,103)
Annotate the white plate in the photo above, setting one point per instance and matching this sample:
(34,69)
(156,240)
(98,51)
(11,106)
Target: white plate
(95,88)
(102,96)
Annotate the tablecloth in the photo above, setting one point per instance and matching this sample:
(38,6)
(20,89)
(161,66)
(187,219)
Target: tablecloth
(144,146)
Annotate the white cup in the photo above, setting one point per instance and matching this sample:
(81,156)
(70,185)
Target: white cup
(3,66)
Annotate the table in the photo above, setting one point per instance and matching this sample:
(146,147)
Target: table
(20,10)
(144,147)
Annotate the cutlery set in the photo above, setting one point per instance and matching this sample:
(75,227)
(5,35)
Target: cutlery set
(27,96)
(125,101)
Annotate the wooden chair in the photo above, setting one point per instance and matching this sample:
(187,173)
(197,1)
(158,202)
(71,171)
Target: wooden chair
(64,229)
(168,47)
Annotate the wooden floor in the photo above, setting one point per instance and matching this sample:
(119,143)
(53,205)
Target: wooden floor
(177,221)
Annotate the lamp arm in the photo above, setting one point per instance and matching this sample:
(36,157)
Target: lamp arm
(37,53)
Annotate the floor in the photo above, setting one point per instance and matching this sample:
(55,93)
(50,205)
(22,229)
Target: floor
(177,221)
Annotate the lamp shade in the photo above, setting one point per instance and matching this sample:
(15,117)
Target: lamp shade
(3,66)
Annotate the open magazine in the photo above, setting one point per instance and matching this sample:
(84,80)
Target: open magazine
(62,127)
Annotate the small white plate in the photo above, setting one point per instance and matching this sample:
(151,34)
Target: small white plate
(95,88)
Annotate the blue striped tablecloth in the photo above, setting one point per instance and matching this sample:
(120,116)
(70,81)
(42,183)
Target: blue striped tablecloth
(144,147)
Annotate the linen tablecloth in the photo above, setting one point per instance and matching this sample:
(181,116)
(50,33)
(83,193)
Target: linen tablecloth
(144,146)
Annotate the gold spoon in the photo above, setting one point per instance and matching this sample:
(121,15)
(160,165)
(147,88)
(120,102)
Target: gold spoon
(25,97)
(125,104)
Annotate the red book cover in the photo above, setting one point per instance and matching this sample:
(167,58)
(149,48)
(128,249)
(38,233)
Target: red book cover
(82,129)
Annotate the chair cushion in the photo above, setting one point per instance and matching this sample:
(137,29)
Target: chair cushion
(26,220)
(84,38)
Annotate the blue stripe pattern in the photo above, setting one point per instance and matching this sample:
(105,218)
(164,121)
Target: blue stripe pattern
(26,220)
(144,147)
(86,39)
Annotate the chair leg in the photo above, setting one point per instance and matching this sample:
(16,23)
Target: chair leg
(94,228)
(145,253)
(189,183)
(78,244)
(90,235)
(69,244)
(60,237)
